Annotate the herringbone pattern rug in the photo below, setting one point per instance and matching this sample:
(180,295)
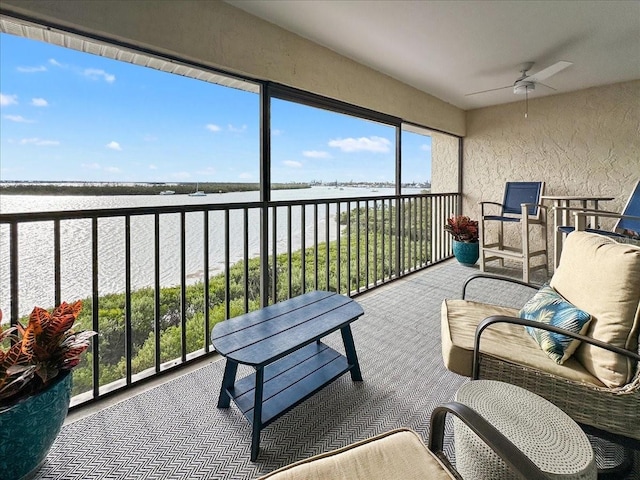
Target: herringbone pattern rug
(175,431)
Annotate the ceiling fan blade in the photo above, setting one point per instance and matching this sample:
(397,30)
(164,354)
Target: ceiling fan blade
(490,90)
(547,72)
(549,87)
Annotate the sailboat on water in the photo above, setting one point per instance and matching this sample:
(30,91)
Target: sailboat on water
(197,193)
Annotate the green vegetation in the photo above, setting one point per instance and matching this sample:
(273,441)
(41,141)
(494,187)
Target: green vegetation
(363,258)
(135,189)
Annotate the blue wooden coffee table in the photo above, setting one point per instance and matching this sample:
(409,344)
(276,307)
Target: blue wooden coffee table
(282,342)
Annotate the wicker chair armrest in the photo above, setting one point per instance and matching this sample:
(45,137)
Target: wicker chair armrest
(501,445)
(531,323)
(490,203)
(496,277)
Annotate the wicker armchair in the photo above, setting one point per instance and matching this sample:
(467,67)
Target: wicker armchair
(597,275)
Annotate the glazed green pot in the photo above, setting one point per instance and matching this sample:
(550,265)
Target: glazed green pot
(29,428)
(466,253)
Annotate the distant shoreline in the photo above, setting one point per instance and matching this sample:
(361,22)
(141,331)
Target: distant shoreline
(79,188)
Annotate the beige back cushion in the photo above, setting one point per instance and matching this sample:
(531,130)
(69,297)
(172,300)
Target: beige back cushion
(602,277)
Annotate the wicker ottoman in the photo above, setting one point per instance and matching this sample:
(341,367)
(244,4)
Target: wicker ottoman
(542,431)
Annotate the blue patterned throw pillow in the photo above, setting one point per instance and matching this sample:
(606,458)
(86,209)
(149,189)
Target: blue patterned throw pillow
(547,306)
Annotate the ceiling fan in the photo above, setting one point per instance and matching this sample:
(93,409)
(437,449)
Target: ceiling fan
(527,83)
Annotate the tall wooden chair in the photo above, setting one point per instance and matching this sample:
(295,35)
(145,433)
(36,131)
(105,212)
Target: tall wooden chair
(521,205)
(625,230)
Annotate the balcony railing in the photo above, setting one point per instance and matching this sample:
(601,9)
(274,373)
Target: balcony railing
(154,280)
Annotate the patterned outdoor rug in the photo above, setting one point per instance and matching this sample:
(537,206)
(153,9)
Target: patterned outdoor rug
(175,431)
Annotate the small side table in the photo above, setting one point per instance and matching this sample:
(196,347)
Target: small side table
(543,432)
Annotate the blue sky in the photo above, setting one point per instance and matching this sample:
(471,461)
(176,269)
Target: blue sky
(68,115)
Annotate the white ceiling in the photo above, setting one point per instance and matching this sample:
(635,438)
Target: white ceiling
(452,48)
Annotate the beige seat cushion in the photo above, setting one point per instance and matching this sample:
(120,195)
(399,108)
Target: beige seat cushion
(398,454)
(505,341)
(602,277)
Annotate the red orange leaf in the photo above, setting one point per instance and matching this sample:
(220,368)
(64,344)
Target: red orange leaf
(39,316)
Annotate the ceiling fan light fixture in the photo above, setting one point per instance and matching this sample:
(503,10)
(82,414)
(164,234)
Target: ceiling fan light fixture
(520,88)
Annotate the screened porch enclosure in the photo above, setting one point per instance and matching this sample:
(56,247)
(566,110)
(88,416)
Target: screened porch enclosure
(154,278)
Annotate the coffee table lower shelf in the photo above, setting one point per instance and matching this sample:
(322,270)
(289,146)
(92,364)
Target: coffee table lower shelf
(289,381)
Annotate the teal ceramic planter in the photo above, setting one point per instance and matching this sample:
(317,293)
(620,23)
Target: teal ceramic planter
(466,253)
(29,428)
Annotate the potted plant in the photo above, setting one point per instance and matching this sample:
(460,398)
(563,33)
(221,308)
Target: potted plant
(35,385)
(465,238)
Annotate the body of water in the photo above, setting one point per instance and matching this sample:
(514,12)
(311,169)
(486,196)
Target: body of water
(36,264)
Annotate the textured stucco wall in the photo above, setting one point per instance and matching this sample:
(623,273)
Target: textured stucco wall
(585,142)
(444,163)
(222,36)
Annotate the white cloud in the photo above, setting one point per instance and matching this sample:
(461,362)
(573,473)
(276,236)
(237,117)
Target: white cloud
(92,166)
(363,144)
(181,175)
(112,169)
(233,129)
(152,167)
(6,100)
(17,119)
(316,154)
(275,132)
(41,68)
(114,146)
(207,171)
(90,73)
(97,74)
(426,147)
(292,163)
(39,102)
(245,176)
(18,169)
(213,128)
(39,142)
